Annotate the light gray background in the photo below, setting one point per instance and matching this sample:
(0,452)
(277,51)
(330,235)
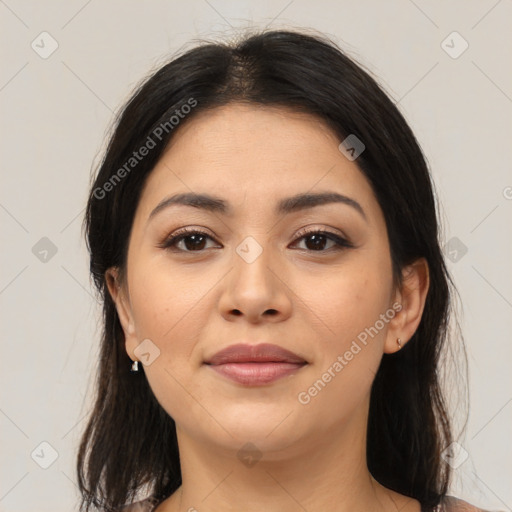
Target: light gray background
(55,113)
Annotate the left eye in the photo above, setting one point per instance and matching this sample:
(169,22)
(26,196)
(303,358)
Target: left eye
(196,241)
(319,239)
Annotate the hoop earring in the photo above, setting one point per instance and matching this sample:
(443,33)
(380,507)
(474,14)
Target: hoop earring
(135,366)
(399,341)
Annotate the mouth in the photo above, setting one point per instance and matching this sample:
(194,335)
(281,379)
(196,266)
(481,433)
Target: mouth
(254,365)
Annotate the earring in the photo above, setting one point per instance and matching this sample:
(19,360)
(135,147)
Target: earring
(399,341)
(135,366)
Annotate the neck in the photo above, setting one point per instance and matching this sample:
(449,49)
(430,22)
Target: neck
(327,472)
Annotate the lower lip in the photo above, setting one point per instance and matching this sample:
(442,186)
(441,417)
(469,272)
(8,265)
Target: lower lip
(256,374)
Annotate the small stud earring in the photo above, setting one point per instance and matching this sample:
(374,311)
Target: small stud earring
(399,341)
(135,366)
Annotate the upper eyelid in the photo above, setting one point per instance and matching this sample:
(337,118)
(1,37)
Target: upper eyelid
(300,233)
(305,231)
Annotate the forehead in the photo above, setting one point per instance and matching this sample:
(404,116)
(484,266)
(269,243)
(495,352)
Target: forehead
(254,155)
(230,132)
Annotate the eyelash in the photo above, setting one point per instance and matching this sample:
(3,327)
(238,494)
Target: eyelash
(170,242)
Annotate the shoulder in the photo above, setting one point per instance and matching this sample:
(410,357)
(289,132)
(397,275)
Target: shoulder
(449,504)
(452,504)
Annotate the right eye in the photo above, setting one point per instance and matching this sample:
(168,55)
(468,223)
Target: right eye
(191,240)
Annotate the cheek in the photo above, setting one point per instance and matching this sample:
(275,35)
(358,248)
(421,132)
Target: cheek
(348,300)
(351,344)
(170,309)
(164,300)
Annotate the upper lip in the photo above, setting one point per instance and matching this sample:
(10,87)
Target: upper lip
(264,352)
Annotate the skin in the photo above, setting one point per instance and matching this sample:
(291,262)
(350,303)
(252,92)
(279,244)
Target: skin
(312,302)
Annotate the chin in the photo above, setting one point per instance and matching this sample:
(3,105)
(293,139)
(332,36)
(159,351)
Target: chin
(269,426)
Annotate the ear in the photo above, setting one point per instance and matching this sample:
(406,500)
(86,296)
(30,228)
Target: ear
(120,297)
(412,296)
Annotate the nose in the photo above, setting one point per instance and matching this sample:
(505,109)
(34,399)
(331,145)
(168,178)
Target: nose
(255,291)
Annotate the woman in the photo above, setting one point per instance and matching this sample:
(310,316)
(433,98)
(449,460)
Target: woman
(263,233)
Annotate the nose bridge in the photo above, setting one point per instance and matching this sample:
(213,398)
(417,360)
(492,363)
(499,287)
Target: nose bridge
(251,269)
(253,288)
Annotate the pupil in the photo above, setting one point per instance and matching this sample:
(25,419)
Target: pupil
(318,241)
(197,241)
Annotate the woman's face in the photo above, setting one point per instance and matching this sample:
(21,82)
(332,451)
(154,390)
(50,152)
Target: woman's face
(258,274)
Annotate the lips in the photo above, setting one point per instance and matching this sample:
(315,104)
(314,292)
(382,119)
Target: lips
(254,365)
(263,353)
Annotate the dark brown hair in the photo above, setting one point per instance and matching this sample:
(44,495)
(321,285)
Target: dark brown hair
(130,441)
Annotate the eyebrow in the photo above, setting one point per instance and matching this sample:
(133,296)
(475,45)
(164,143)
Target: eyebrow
(284,206)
